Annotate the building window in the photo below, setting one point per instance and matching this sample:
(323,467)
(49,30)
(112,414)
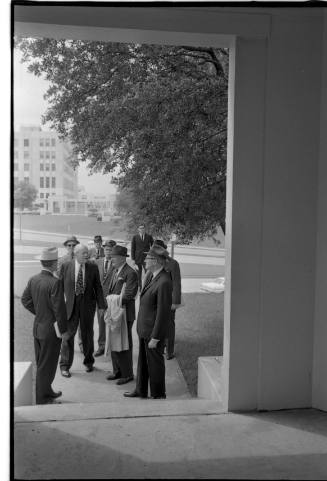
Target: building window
(41,166)
(26,180)
(26,143)
(41,142)
(41,195)
(41,154)
(26,167)
(47,155)
(47,195)
(26,154)
(53,142)
(16,166)
(42,182)
(53,182)
(47,142)
(53,166)
(47,166)
(53,155)
(47,182)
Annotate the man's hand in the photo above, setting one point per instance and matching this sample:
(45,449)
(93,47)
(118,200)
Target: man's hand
(174,307)
(152,343)
(65,336)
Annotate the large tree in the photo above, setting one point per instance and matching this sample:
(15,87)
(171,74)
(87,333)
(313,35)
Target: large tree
(153,115)
(24,195)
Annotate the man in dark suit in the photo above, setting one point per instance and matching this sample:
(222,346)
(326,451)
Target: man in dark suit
(106,270)
(122,361)
(141,243)
(172,266)
(83,292)
(152,326)
(97,251)
(44,297)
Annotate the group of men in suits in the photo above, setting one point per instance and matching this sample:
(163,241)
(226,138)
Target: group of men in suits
(70,294)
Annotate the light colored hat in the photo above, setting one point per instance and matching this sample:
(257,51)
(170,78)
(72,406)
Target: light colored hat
(71,239)
(48,254)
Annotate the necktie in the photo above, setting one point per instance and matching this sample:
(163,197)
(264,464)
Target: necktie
(79,289)
(106,266)
(147,280)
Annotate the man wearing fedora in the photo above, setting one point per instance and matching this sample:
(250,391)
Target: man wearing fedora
(106,270)
(97,251)
(44,297)
(70,245)
(141,243)
(122,361)
(152,326)
(172,266)
(83,292)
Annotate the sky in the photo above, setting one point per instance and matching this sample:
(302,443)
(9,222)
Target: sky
(29,106)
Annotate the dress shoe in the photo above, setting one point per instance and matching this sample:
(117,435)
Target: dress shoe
(89,368)
(112,377)
(134,394)
(99,352)
(159,397)
(65,373)
(125,380)
(55,394)
(50,400)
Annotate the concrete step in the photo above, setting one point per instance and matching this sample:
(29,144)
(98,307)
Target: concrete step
(130,408)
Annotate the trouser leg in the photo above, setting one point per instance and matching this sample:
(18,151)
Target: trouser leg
(67,347)
(156,368)
(102,330)
(170,341)
(47,361)
(142,376)
(86,322)
(139,275)
(79,338)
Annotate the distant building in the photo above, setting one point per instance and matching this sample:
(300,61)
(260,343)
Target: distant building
(41,159)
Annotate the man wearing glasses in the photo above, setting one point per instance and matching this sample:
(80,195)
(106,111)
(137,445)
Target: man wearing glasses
(70,245)
(152,326)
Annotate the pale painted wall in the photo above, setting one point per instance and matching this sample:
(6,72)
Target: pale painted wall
(319,393)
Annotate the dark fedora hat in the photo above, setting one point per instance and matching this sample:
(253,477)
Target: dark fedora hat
(161,243)
(119,251)
(158,251)
(109,243)
(71,239)
(97,238)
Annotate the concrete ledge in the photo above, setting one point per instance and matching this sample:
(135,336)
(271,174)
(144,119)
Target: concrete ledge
(209,377)
(23,384)
(131,408)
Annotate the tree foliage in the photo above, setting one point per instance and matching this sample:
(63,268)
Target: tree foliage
(153,115)
(24,195)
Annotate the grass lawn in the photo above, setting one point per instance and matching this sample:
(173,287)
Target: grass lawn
(199,332)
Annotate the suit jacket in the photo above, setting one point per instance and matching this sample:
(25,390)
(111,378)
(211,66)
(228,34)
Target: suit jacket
(155,307)
(138,247)
(44,297)
(105,279)
(129,276)
(93,294)
(172,266)
(66,258)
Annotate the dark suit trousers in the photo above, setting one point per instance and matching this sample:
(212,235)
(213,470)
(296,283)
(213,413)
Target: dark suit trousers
(46,357)
(102,330)
(86,324)
(122,361)
(139,273)
(150,366)
(170,341)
